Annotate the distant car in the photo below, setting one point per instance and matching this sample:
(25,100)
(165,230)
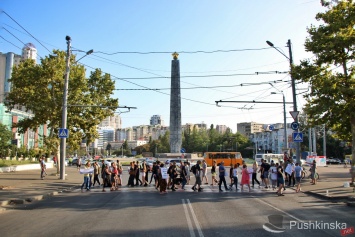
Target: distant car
(178,161)
(332,161)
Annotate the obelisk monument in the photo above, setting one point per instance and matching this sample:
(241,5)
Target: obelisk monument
(175,106)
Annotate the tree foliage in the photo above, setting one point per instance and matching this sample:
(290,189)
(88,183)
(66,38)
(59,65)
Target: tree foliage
(330,74)
(40,87)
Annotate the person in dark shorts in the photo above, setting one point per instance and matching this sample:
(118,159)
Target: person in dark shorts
(298,175)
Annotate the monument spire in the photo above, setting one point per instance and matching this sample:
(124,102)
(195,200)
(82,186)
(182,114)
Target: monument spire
(175,106)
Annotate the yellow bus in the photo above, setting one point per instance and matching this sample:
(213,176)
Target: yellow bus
(229,158)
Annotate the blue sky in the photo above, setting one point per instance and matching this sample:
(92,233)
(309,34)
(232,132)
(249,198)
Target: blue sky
(166,26)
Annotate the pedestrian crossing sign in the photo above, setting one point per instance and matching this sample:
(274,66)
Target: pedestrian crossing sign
(297,137)
(63,133)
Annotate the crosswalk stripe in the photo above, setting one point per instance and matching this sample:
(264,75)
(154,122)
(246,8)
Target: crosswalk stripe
(188,189)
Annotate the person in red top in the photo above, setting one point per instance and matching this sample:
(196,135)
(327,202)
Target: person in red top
(55,160)
(245,177)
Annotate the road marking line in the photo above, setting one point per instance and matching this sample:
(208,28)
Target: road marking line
(192,233)
(195,219)
(278,209)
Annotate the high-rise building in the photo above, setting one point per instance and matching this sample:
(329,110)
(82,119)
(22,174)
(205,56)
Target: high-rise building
(221,128)
(156,120)
(29,51)
(113,121)
(248,128)
(31,138)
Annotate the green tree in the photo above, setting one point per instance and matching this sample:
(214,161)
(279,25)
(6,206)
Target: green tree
(5,140)
(330,74)
(39,88)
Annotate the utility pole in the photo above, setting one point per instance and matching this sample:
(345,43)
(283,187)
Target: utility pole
(293,84)
(64,112)
(324,141)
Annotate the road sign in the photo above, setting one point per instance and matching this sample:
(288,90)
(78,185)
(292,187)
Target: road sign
(182,150)
(297,137)
(294,114)
(295,125)
(63,133)
(271,127)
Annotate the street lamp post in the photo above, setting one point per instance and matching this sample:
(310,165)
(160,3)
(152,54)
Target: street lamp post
(285,124)
(65,107)
(64,111)
(290,58)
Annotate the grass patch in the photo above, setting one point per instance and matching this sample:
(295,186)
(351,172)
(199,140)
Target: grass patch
(6,163)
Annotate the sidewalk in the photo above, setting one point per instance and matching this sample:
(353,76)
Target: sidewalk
(26,186)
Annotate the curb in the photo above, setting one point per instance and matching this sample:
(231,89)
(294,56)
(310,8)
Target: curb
(30,199)
(324,197)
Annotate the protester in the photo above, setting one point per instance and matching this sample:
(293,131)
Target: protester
(313,172)
(235,177)
(162,179)
(132,174)
(204,171)
(183,174)
(119,176)
(96,173)
(254,177)
(245,177)
(86,173)
(106,175)
(136,169)
(198,181)
(298,174)
(273,176)
(222,179)
(290,168)
(280,180)
(214,173)
(265,172)
(187,169)
(144,173)
(43,166)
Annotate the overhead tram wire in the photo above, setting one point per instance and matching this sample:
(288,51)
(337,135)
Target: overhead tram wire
(207,87)
(26,31)
(185,52)
(14,35)
(10,43)
(201,102)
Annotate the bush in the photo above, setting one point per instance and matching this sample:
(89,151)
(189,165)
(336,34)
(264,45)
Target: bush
(6,163)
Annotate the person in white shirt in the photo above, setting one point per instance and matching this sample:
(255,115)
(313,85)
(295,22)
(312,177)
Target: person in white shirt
(290,172)
(235,177)
(204,171)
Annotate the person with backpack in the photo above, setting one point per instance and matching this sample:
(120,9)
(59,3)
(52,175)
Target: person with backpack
(183,175)
(196,169)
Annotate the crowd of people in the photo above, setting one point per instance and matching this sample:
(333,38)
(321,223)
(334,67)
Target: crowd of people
(272,176)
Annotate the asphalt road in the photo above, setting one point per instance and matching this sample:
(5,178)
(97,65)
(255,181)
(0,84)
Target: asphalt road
(142,211)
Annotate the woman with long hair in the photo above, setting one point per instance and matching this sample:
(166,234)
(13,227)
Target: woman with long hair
(255,171)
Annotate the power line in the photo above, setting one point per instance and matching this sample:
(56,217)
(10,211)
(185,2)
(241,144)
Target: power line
(14,36)
(27,31)
(204,76)
(186,52)
(210,87)
(10,42)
